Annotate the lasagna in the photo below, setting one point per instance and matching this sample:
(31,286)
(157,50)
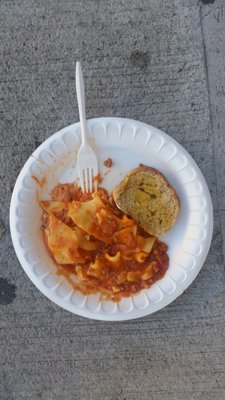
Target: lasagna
(91,240)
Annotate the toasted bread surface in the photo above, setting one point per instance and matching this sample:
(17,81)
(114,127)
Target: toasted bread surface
(146,195)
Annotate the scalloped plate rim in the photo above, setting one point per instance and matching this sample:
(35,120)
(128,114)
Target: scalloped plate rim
(119,316)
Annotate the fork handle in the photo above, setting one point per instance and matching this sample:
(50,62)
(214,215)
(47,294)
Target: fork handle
(81,101)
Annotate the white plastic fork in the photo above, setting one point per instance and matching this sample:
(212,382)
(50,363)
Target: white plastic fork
(87,162)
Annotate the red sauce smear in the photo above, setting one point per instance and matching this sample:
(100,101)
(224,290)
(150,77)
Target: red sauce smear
(41,182)
(98,178)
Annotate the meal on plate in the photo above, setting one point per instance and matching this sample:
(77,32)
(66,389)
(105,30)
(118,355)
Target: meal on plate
(109,243)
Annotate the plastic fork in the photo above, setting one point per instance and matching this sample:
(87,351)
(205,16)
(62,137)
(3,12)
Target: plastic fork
(87,162)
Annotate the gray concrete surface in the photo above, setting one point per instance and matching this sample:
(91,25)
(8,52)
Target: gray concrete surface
(158,61)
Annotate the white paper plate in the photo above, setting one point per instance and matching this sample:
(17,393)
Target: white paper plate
(128,143)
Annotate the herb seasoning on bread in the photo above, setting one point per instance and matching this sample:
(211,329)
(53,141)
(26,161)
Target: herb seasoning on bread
(147,197)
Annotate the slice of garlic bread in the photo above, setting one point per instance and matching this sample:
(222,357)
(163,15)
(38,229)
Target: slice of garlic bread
(146,195)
